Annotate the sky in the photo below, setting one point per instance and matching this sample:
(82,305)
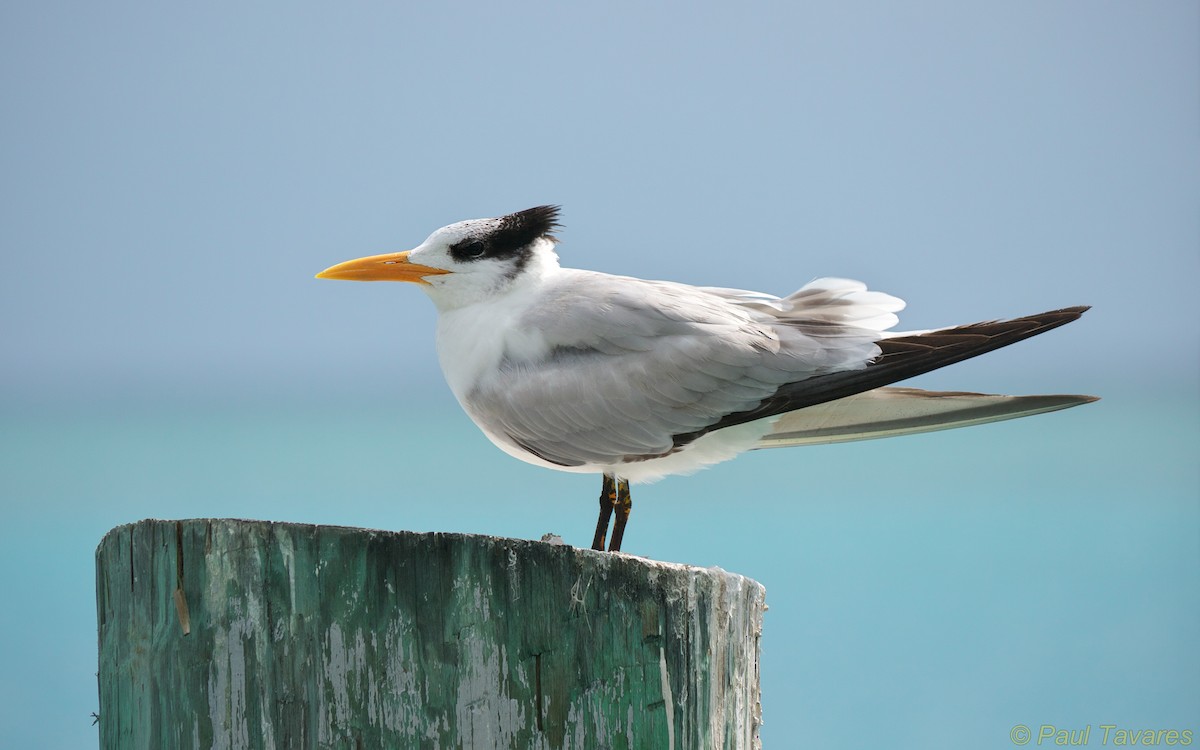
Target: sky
(174,174)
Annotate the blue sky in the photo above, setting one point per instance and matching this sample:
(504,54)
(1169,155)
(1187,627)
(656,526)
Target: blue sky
(174,175)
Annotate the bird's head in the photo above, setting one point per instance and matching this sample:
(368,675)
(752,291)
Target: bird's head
(467,261)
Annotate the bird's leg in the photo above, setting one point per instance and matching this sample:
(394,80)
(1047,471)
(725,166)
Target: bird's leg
(608,495)
(622,505)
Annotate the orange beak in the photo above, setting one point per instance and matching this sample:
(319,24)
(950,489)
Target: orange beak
(386,267)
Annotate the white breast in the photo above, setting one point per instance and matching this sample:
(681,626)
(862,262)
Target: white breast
(472,341)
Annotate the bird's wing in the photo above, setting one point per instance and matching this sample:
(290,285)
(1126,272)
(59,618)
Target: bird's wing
(888,412)
(633,364)
(901,356)
(638,369)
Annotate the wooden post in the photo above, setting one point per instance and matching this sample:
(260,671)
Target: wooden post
(250,634)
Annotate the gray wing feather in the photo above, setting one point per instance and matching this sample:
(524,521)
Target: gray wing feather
(888,412)
(632,364)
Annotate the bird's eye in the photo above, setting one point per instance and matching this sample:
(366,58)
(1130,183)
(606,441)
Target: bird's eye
(472,249)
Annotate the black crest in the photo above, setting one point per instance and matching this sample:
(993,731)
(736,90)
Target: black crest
(512,235)
(526,226)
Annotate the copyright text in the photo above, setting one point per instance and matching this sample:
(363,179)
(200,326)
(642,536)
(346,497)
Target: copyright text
(1102,734)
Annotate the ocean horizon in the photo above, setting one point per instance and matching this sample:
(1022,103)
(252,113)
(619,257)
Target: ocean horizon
(927,591)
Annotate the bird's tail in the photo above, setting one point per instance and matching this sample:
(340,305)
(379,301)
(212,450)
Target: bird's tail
(888,412)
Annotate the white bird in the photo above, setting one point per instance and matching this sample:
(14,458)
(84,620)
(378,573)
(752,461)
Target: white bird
(636,380)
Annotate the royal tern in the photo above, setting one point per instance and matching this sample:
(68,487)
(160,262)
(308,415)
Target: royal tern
(636,380)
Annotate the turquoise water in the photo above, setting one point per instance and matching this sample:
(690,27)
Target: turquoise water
(925,592)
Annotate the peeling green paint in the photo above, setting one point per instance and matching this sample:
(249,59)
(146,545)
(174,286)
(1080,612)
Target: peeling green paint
(330,637)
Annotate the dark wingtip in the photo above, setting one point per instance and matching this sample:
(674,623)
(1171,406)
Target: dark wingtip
(1075,311)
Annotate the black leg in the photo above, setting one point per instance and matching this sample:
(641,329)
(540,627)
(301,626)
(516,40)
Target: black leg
(608,495)
(622,505)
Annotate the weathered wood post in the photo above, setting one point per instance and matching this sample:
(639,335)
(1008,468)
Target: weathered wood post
(250,634)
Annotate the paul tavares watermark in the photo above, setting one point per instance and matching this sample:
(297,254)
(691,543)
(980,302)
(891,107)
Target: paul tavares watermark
(1102,734)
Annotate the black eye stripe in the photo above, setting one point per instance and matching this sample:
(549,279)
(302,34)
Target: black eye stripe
(473,249)
(508,238)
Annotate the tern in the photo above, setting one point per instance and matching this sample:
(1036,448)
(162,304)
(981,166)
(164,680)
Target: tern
(636,380)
